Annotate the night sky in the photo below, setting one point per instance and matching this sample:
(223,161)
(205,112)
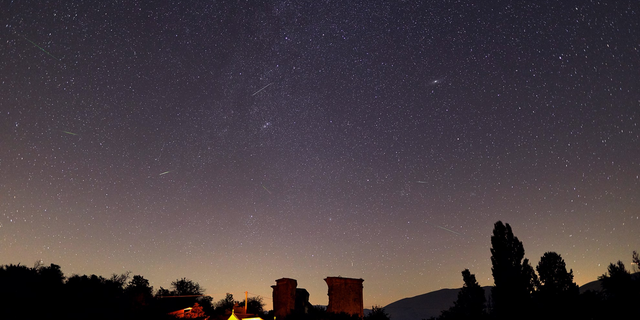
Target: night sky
(238,142)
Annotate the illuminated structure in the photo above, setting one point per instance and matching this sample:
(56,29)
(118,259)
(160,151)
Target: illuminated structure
(244,316)
(345,296)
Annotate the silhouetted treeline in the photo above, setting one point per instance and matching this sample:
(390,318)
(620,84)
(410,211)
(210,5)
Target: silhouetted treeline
(43,292)
(521,293)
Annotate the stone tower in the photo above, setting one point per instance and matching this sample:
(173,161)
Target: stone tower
(345,295)
(284,297)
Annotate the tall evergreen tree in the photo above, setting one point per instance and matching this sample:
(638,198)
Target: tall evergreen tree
(513,280)
(558,293)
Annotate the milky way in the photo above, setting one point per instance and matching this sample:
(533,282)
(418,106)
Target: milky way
(238,142)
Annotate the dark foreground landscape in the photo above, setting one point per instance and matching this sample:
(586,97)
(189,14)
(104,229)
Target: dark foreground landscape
(548,292)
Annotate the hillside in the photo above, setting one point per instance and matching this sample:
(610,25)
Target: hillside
(431,304)
(425,305)
(595,285)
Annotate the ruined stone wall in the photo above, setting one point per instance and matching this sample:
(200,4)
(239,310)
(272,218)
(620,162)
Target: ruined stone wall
(284,297)
(345,295)
(302,301)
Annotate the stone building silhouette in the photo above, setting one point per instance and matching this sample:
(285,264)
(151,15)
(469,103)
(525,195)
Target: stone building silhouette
(345,296)
(289,299)
(284,297)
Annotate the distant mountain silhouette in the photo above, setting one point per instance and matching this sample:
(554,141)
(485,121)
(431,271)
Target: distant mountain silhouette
(425,305)
(596,285)
(433,303)
(593,286)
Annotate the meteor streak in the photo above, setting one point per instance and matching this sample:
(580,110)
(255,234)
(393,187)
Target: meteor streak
(71,133)
(266,189)
(443,228)
(261,89)
(164,173)
(39,47)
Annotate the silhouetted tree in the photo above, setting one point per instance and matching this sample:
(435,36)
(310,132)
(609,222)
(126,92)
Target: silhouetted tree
(558,293)
(207,304)
(186,287)
(618,289)
(139,294)
(162,292)
(635,261)
(31,292)
(554,278)
(51,275)
(255,306)
(225,305)
(96,297)
(187,293)
(51,285)
(530,278)
(513,279)
(470,303)
(20,289)
(616,283)
(377,313)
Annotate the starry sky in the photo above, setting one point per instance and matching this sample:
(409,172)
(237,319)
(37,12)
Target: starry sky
(238,142)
